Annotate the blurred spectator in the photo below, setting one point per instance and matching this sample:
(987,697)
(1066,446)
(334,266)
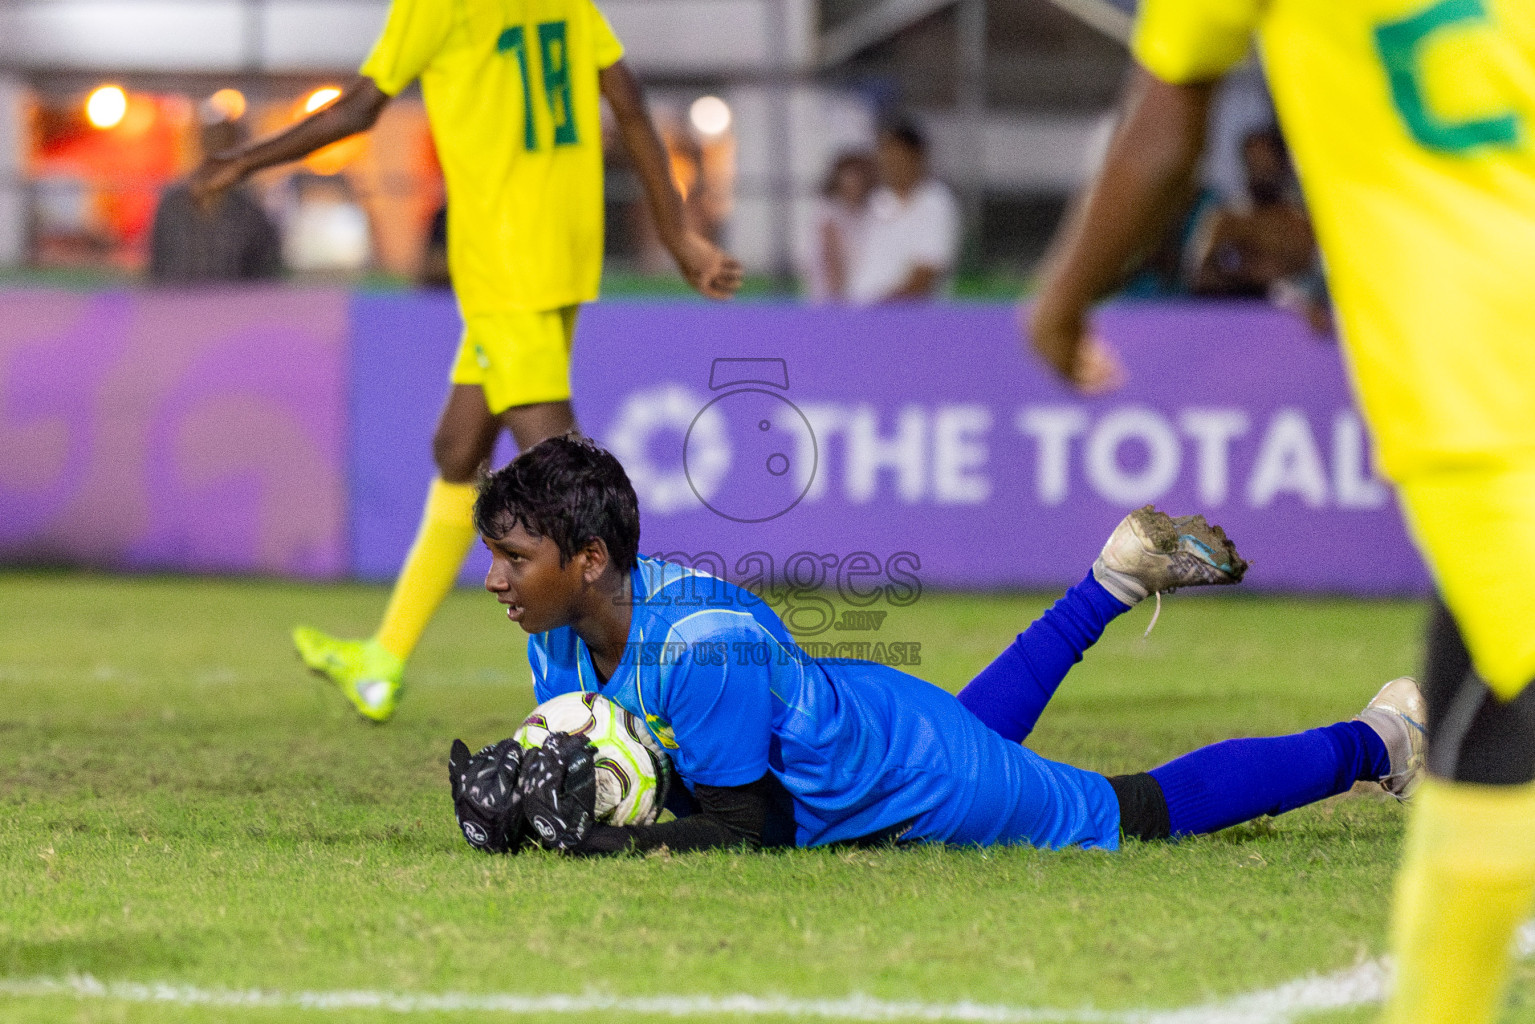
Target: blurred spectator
(912,236)
(326,229)
(1266,249)
(434,259)
(841,217)
(233,241)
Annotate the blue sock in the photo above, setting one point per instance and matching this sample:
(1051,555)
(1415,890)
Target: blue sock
(1012,691)
(1220,785)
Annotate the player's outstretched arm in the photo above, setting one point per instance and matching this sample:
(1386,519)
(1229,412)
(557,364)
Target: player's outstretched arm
(355,110)
(1149,165)
(708,268)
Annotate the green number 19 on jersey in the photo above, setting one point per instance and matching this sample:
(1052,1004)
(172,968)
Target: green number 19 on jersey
(554,61)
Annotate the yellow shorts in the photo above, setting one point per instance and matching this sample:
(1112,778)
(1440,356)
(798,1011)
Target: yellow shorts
(517,357)
(1476,526)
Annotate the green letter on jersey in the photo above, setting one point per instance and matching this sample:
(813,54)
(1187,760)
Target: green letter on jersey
(556,61)
(515,40)
(1399,43)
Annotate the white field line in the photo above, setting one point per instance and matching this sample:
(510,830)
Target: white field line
(1363,985)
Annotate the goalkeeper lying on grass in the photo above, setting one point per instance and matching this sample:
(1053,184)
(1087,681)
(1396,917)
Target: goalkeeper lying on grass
(776,748)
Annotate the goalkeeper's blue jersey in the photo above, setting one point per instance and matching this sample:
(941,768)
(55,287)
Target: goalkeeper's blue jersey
(863,749)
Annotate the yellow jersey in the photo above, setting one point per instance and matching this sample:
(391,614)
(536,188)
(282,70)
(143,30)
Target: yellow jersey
(1412,127)
(512,96)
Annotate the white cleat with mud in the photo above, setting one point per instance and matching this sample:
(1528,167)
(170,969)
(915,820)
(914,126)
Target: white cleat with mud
(1151,552)
(1397,714)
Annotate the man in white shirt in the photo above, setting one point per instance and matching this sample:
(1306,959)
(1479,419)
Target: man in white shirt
(912,235)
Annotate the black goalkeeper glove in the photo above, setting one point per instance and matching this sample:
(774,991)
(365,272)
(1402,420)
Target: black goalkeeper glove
(559,792)
(486,798)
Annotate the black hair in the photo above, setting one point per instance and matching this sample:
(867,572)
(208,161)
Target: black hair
(907,134)
(569,490)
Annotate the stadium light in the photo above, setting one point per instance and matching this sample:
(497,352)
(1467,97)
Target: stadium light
(227,104)
(710,115)
(320,97)
(105,107)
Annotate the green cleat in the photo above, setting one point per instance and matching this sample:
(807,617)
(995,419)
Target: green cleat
(365,672)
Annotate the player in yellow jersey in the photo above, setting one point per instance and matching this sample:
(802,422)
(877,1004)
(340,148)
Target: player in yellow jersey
(511,90)
(1412,124)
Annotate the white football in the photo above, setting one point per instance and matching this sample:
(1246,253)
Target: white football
(633,772)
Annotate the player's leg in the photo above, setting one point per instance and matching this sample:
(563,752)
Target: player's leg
(465,440)
(369,672)
(1468,871)
(1010,694)
(1221,785)
(1148,552)
(1013,795)
(530,424)
(465,437)
(1009,794)
(512,370)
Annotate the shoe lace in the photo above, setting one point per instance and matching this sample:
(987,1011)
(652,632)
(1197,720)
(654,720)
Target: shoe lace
(1156,612)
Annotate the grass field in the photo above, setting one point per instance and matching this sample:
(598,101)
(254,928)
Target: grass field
(179,804)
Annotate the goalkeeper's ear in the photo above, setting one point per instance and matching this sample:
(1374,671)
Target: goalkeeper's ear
(458,767)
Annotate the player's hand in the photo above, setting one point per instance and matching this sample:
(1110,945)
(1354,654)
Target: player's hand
(1098,370)
(559,792)
(1083,359)
(711,271)
(212,178)
(486,798)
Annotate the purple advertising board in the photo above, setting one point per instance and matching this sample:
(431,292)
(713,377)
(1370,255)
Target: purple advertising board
(868,448)
(198,432)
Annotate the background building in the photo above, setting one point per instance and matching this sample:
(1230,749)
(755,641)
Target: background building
(1015,94)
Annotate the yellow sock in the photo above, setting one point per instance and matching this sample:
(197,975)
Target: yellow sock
(447,530)
(1466,882)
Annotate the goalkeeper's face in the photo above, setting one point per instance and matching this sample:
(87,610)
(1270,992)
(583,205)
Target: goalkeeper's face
(526,576)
